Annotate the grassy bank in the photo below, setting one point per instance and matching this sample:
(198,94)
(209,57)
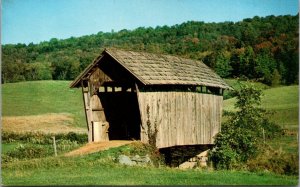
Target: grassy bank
(98,170)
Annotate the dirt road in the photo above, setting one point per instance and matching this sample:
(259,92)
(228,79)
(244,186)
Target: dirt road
(99,146)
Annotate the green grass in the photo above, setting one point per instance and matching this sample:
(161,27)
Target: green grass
(42,97)
(235,84)
(6,147)
(90,170)
(282,101)
(288,144)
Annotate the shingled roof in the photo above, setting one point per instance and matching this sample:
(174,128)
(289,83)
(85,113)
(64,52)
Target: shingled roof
(158,69)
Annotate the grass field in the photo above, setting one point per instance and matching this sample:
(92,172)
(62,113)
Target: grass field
(43,97)
(283,101)
(97,169)
(31,100)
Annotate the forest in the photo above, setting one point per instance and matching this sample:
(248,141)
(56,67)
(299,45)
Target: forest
(264,49)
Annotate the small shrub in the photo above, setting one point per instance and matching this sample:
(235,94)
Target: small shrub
(223,157)
(41,138)
(28,152)
(275,161)
(6,158)
(66,145)
(79,138)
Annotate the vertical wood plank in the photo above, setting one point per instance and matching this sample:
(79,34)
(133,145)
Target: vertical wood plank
(182,118)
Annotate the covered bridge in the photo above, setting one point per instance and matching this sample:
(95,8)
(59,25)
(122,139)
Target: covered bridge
(160,99)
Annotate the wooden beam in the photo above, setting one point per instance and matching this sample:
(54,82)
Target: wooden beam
(98,109)
(139,104)
(84,102)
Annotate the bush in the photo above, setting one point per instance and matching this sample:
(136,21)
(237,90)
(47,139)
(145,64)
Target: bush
(223,157)
(275,161)
(29,152)
(41,138)
(66,145)
(79,138)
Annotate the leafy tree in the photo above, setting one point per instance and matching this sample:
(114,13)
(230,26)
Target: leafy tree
(242,134)
(252,43)
(276,77)
(247,64)
(223,67)
(265,66)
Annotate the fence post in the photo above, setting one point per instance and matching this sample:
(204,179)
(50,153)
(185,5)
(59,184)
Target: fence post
(54,145)
(264,135)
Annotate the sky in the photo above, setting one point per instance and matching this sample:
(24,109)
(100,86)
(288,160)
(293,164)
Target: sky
(26,21)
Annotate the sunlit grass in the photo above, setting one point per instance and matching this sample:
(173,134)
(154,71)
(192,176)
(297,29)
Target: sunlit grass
(91,170)
(283,102)
(42,97)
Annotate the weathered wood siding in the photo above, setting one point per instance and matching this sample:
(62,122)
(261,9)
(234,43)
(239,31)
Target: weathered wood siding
(96,121)
(180,118)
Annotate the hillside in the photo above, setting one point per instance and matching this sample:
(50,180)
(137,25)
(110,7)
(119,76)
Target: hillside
(52,104)
(39,100)
(283,101)
(259,48)
(42,105)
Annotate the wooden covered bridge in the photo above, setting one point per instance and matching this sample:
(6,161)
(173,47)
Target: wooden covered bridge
(160,99)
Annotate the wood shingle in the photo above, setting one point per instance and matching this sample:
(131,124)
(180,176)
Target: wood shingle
(158,69)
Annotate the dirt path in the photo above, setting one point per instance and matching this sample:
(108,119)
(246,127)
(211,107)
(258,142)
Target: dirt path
(99,146)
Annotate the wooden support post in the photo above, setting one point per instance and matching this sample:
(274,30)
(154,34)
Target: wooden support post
(54,145)
(89,113)
(139,104)
(113,89)
(85,92)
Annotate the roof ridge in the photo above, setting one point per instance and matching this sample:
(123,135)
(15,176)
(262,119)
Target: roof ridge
(151,53)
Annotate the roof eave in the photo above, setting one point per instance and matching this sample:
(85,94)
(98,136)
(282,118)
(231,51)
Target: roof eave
(124,66)
(76,82)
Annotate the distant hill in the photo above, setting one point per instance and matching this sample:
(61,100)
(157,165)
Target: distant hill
(260,48)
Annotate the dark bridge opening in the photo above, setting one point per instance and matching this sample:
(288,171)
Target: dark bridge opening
(176,155)
(122,113)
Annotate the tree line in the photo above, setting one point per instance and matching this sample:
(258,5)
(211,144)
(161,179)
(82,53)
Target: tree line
(264,49)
